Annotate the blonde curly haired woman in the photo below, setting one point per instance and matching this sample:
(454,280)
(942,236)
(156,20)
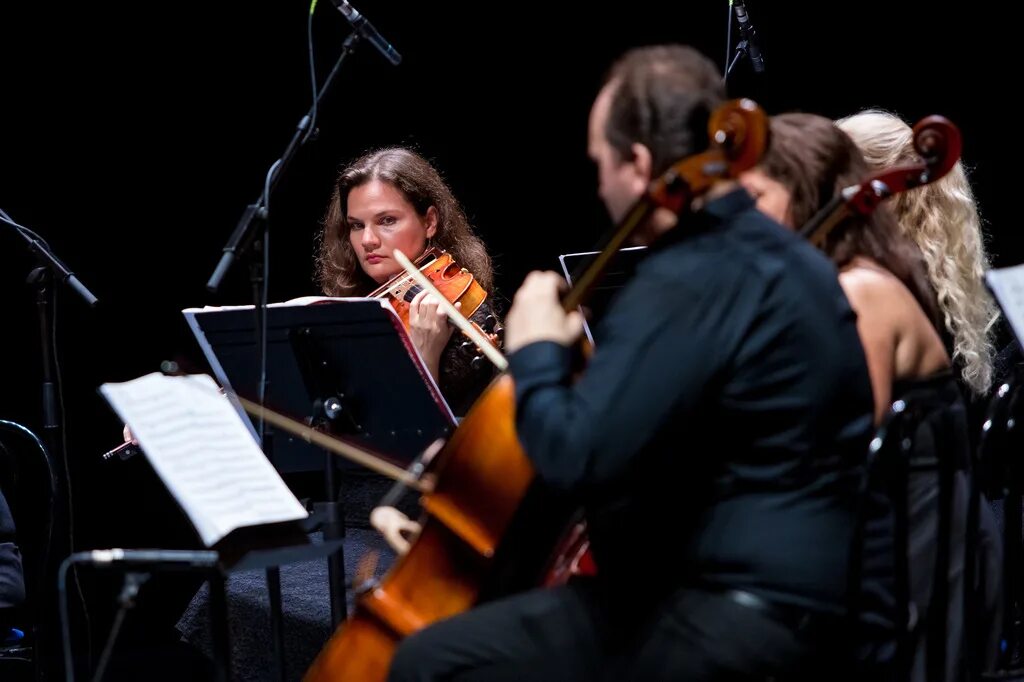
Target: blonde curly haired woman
(942,218)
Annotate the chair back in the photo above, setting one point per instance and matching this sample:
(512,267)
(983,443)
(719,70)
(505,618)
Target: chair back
(29,483)
(906,492)
(1001,478)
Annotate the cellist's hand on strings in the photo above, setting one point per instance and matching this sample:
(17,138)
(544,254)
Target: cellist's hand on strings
(397,528)
(429,329)
(537,314)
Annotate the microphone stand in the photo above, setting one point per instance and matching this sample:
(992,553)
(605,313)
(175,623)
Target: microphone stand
(51,269)
(253,233)
(242,238)
(742,48)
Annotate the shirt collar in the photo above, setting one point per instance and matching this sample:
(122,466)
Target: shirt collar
(729,204)
(715,212)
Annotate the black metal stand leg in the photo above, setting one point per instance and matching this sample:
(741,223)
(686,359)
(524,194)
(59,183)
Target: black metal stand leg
(219,628)
(276,620)
(334,529)
(1012,623)
(740,50)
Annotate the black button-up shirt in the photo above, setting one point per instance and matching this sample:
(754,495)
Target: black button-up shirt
(715,433)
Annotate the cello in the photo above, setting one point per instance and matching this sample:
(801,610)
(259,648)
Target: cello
(481,476)
(937,141)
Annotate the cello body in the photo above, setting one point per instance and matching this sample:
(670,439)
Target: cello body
(482,476)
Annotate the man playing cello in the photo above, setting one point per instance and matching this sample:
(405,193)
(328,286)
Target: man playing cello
(714,435)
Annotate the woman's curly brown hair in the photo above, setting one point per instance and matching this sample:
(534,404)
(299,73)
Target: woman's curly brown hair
(338,270)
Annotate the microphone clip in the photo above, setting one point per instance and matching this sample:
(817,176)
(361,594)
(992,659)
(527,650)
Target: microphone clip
(748,44)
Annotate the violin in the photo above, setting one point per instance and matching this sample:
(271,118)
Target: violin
(482,476)
(936,140)
(456,284)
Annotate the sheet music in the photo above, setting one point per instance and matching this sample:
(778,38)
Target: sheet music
(204,454)
(1007,285)
(301,300)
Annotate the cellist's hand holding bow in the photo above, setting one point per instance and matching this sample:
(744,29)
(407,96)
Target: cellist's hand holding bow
(537,314)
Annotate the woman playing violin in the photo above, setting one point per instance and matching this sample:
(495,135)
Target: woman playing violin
(388,199)
(394,199)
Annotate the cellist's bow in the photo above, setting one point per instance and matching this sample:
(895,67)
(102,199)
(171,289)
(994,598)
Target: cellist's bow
(351,452)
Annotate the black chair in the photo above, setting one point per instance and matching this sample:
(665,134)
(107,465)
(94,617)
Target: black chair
(917,481)
(1001,478)
(29,484)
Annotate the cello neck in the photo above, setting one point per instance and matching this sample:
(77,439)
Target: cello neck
(738,135)
(584,284)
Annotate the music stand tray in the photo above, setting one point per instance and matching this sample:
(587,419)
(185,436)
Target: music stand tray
(352,355)
(618,273)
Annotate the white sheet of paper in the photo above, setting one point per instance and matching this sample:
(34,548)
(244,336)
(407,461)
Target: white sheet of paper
(1007,285)
(301,300)
(203,452)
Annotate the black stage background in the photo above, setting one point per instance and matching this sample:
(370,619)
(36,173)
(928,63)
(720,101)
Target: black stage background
(133,136)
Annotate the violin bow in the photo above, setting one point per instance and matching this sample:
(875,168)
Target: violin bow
(457,318)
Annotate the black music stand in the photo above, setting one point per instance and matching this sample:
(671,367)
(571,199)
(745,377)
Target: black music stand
(1002,470)
(618,273)
(246,548)
(346,365)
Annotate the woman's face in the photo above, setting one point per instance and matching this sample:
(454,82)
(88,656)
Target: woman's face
(771,196)
(381,220)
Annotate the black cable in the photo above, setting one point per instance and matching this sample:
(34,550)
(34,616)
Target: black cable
(59,380)
(65,619)
(312,74)
(6,219)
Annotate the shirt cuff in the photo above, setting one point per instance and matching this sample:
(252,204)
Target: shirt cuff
(539,363)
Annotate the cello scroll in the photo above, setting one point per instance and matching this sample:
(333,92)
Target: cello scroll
(937,141)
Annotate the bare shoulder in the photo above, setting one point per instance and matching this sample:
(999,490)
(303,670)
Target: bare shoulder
(871,288)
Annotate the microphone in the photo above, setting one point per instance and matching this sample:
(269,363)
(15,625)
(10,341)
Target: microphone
(749,35)
(365,29)
(150,557)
